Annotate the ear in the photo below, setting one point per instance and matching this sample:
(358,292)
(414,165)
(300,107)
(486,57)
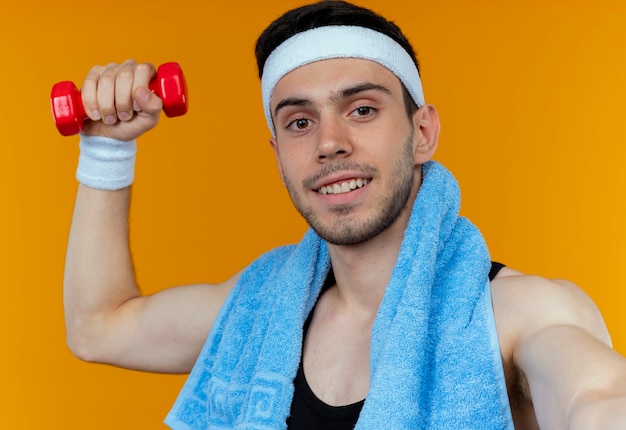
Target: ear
(427,127)
(274,145)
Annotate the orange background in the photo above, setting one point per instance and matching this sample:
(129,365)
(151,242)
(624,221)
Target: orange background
(532,99)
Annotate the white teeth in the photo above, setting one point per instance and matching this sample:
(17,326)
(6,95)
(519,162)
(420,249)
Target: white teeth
(343,187)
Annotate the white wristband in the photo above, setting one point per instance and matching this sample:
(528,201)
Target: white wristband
(105,163)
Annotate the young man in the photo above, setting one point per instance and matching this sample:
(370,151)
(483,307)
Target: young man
(388,314)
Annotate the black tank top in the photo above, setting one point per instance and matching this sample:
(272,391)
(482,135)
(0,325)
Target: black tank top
(308,412)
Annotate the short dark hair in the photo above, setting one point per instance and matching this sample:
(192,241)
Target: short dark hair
(326,13)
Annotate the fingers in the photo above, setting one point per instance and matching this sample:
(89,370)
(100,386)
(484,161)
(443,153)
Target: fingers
(88,93)
(144,100)
(109,92)
(143,74)
(123,103)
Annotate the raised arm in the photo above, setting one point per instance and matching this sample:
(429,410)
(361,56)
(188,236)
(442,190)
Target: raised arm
(107,318)
(557,339)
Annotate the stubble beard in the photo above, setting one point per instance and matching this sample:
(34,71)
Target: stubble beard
(347,229)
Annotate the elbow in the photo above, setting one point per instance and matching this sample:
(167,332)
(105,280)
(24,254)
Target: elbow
(80,347)
(83,343)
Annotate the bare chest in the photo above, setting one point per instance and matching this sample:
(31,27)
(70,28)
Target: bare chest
(336,361)
(336,366)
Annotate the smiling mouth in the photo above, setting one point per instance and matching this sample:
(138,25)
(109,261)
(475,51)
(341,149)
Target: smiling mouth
(344,186)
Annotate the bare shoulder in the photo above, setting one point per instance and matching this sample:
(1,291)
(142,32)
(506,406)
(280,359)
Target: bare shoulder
(525,304)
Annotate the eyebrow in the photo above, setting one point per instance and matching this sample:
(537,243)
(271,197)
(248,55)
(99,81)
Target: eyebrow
(341,95)
(366,86)
(291,101)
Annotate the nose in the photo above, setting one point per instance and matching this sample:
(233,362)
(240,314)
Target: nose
(333,139)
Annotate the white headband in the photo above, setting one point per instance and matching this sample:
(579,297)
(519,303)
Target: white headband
(328,42)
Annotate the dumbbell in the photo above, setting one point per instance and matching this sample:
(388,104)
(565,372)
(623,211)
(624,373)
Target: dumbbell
(69,114)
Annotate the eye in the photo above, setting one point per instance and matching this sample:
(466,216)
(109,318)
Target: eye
(363,111)
(299,124)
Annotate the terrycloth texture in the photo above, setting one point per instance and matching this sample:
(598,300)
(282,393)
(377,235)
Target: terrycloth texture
(435,358)
(105,163)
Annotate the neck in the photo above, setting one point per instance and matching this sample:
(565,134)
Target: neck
(362,271)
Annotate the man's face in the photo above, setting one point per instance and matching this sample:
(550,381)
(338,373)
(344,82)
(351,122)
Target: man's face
(345,147)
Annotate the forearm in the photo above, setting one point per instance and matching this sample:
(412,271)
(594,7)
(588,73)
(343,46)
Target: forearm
(99,274)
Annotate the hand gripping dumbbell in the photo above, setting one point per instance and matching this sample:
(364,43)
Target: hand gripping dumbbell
(69,114)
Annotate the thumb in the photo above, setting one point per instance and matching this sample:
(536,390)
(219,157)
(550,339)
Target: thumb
(146,101)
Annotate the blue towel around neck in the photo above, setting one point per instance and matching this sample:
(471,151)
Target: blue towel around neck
(435,359)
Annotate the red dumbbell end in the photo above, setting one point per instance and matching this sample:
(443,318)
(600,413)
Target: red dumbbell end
(171,87)
(69,114)
(67,108)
